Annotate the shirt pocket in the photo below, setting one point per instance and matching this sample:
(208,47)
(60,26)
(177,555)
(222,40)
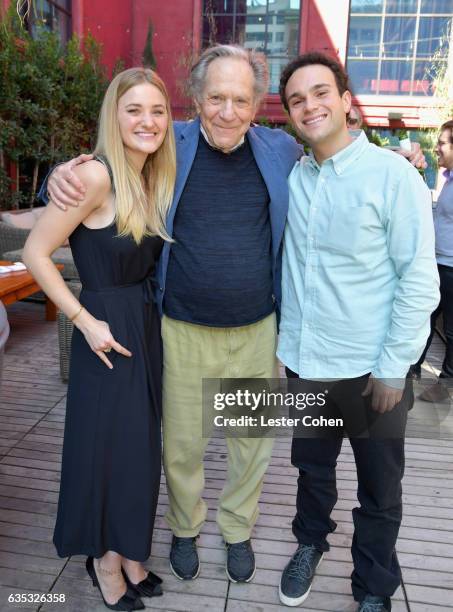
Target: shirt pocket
(353,229)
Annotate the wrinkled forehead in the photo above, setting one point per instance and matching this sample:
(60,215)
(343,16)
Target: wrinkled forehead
(230,77)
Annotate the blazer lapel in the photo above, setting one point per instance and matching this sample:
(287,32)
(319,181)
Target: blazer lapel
(276,182)
(186,148)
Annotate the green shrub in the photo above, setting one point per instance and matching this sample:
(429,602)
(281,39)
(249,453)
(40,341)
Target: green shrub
(50,98)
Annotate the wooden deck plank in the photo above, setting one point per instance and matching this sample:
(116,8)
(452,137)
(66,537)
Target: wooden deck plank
(31,431)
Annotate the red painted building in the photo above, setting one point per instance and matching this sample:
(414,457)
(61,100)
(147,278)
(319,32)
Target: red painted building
(388,46)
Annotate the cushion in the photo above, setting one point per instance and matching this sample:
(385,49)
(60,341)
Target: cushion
(22,219)
(62,255)
(25,220)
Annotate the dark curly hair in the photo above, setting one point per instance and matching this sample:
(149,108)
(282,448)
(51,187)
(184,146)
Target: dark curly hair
(310,59)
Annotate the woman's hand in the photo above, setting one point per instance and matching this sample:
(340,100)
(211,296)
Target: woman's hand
(99,337)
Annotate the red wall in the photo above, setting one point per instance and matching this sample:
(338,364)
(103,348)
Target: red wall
(173,41)
(122,26)
(110,21)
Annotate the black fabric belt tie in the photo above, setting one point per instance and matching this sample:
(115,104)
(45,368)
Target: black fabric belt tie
(149,287)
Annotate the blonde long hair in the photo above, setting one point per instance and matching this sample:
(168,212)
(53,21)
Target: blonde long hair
(140,207)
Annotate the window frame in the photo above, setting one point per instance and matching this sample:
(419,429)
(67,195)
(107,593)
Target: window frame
(381,57)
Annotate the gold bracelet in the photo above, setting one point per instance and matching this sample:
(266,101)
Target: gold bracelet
(76,314)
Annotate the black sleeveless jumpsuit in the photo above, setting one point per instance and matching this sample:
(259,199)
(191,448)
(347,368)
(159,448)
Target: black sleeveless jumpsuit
(112,442)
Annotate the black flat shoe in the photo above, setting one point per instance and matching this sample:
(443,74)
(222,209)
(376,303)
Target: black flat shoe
(148,587)
(129,601)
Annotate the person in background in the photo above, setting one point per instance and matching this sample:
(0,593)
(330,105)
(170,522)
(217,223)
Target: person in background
(111,463)
(443,225)
(359,282)
(355,118)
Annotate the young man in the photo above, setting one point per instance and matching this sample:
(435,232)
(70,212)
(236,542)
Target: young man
(359,284)
(443,224)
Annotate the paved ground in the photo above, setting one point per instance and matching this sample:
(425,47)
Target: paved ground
(31,422)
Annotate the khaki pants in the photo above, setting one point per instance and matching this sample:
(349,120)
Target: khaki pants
(191,353)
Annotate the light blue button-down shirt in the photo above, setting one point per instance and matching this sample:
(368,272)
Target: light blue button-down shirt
(359,271)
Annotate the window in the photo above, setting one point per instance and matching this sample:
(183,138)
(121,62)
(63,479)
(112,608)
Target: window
(270,26)
(52,16)
(395,46)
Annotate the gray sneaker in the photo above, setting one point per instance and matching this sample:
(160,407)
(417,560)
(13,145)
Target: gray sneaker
(184,561)
(240,561)
(371,603)
(298,575)
(437,393)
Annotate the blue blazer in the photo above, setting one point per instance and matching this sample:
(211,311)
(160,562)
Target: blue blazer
(275,153)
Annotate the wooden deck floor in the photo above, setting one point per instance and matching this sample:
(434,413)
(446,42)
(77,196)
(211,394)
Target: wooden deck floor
(31,422)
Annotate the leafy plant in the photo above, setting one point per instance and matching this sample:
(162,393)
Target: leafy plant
(50,98)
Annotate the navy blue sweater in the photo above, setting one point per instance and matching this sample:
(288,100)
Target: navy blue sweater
(220,267)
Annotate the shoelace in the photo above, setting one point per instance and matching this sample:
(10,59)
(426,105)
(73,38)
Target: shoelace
(301,565)
(184,547)
(370,606)
(236,550)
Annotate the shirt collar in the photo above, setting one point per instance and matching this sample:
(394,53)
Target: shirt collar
(448,175)
(341,160)
(206,137)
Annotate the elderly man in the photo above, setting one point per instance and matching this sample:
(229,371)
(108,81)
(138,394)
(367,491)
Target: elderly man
(219,286)
(359,284)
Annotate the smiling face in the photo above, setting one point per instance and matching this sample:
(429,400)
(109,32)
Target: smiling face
(317,110)
(143,120)
(228,102)
(444,149)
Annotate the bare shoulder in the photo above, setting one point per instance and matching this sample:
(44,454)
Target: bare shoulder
(94,175)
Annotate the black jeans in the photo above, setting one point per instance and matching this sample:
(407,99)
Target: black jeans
(380,468)
(446,308)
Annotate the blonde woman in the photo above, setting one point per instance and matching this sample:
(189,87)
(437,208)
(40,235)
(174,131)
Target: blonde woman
(111,456)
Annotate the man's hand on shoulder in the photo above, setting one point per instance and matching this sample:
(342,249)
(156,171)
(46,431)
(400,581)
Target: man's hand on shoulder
(415,156)
(94,177)
(383,397)
(64,186)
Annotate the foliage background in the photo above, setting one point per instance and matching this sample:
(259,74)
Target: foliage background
(50,98)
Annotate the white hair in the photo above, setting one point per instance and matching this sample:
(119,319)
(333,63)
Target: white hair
(255,59)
